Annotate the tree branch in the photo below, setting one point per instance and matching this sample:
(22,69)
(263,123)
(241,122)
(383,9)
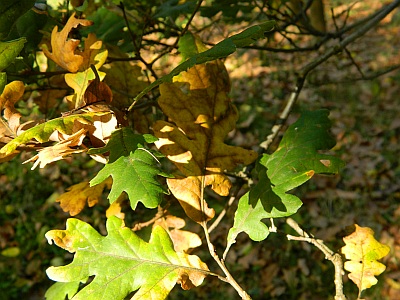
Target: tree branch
(335,258)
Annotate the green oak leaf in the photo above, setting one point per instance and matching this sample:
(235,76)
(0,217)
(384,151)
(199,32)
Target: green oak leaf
(295,161)
(122,263)
(9,51)
(133,168)
(11,10)
(223,49)
(59,290)
(42,132)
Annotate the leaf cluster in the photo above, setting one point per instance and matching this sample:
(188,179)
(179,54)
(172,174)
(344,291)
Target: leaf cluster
(162,137)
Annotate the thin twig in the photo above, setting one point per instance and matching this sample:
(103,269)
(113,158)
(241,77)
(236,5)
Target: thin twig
(335,258)
(242,293)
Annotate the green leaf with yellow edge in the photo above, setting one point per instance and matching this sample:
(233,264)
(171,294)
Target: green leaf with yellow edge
(223,49)
(295,161)
(150,268)
(201,115)
(362,251)
(132,167)
(42,132)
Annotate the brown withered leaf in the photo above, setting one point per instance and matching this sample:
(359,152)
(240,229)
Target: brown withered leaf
(183,240)
(201,115)
(64,51)
(58,151)
(76,197)
(97,91)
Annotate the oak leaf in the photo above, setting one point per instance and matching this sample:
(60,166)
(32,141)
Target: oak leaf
(201,115)
(11,94)
(296,160)
(9,116)
(58,151)
(115,208)
(56,130)
(183,240)
(64,51)
(133,168)
(362,251)
(76,197)
(131,258)
(80,81)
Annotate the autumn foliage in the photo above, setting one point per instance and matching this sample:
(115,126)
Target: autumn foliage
(163,143)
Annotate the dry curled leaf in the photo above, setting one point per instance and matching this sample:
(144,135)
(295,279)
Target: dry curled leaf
(64,50)
(59,151)
(201,115)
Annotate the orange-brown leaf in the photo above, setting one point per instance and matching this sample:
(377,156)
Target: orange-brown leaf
(64,50)
(201,115)
(76,197)
(183,240)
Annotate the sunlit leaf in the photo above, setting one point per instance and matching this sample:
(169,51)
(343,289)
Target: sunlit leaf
(58,151)
(363,251)
(42,132)
(64,50)
(60,290)
(132,167)
(131,259)
(202,114)
(80,194)
(183,240)
(295,161)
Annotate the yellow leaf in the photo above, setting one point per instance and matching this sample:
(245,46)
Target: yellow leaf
(115,208)
(64,52)
(201,115)
(363,251)
(11,94)
(75,199)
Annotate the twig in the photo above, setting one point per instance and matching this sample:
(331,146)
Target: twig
(242,293)
(160,213)
(335,258)
(222,214)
